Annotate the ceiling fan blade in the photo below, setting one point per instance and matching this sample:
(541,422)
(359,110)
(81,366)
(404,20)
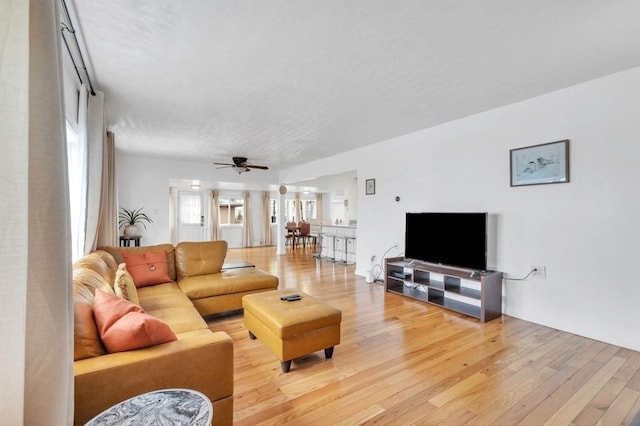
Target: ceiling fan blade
(253,166)
(224,164)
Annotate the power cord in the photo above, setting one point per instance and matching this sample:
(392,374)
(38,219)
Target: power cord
(376,276)
(534,270)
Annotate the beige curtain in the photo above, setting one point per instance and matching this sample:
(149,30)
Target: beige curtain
(96,134)
(36,312)
(215,220)
(298,208)
(319,207)
(108,221)
(246,223)
(173,215)
(266,218)
(79,201)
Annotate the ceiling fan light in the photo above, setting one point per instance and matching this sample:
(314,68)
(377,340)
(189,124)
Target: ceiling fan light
(241,169)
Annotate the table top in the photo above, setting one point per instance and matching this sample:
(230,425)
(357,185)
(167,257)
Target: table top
(130,237)
(161,407)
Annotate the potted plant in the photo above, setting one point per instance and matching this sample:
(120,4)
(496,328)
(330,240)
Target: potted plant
(130,220)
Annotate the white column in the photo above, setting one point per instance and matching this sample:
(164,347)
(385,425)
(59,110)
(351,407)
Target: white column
(281,249)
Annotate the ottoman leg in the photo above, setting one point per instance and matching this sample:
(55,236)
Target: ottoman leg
(252,336)
(286,366)
(328,352)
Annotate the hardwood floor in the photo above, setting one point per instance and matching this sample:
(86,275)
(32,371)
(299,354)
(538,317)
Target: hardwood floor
(403,362)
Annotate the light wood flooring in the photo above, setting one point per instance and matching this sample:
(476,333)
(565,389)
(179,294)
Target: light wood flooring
(403,362)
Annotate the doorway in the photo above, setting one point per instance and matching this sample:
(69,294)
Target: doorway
(192,225)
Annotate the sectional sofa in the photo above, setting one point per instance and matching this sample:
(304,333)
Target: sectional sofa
(196,358)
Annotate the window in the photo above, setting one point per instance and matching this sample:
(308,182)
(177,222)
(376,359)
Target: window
(290,210)
(231,211)
(76,159)
(190,208)
(273,207)
(309,210)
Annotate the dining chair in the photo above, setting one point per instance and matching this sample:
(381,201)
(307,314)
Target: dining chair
(305,232)
(291,233)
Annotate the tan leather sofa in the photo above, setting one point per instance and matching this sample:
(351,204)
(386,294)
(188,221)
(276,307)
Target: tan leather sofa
(200,359)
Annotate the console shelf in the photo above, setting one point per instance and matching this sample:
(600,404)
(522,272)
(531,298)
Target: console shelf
(473,293)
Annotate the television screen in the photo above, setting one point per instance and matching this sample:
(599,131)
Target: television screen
(453,239)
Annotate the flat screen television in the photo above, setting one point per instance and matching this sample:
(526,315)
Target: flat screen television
(452,239)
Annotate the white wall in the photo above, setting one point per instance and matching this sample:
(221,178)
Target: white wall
(586,232)
(144,182)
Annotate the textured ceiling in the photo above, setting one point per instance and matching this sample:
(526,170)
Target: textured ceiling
(286,82)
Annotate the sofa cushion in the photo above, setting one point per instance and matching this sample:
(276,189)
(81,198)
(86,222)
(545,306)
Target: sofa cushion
(91,280)
(107,258)
(96,263)
(147,268)
(124,286)
(124,326)
(228,282)
(199,258)
(180,318)
(86,338)
(167,295)
(117,253)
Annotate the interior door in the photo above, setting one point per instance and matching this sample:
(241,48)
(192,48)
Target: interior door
(191,216)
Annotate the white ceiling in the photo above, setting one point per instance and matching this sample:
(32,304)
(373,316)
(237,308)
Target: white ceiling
(285,82)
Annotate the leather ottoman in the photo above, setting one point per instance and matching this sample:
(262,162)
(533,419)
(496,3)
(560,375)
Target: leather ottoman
(291,329)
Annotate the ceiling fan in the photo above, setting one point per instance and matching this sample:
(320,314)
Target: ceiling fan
(240,165)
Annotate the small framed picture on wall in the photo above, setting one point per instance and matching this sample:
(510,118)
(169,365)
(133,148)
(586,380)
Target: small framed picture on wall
(540,164)
(370,186)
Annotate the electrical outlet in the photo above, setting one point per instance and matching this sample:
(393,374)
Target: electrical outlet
(541,271)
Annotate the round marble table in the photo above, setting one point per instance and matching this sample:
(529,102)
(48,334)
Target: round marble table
(161,407)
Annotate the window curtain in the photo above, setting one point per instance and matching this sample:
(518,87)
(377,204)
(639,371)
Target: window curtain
(77,173)
(36,310)
(319,207)
(190,207)
(108,220)
(246,224)
(173,215)
(215,219)
(96,134)
(266,218)
(298,208)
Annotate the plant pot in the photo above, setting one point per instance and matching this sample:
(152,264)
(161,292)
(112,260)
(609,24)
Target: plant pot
(131,230)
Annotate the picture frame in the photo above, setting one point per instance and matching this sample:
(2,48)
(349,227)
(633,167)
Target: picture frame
(542,164)
(370,186)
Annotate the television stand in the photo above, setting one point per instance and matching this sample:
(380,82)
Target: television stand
(470,292)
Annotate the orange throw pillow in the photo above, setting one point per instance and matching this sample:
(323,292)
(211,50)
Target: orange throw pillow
(147,268)
(124,326)
(109,308)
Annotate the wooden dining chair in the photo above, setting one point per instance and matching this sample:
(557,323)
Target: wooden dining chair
(291,233)
(305,232)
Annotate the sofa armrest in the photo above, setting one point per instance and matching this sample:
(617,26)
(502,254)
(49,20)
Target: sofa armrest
(202,362)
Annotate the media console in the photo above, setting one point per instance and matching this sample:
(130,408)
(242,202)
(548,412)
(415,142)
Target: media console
(473,293)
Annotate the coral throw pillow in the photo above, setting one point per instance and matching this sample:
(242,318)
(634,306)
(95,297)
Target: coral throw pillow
(124,326)
(124,286)
(147,268)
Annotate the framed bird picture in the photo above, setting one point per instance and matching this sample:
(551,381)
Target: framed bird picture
(540,164)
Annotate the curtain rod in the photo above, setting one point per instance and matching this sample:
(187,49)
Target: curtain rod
(68,27)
